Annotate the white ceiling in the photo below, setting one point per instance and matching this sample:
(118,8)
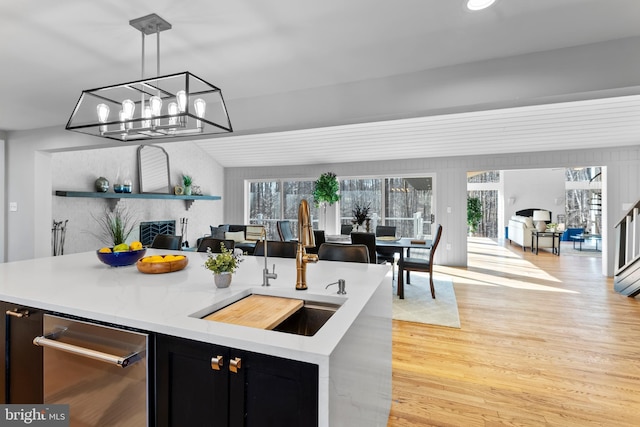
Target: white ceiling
(287,65)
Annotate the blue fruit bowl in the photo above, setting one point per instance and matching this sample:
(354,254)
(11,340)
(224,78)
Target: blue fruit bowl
(121,259)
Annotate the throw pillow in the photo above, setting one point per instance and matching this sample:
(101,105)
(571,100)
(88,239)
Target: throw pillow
(218,232)
(254,232)
(236,236)
(528,222)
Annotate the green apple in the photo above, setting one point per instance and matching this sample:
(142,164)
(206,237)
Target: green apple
(122,247)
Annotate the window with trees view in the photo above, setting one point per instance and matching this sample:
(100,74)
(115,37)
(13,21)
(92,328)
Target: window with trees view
(406,203)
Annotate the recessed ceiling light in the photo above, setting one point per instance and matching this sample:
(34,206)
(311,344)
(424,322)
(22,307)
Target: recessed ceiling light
(479,4)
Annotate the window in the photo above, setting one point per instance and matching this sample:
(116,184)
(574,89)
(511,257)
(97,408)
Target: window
(406,203)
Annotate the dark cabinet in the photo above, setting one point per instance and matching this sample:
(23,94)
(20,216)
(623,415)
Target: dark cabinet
(200,384)
(21,377)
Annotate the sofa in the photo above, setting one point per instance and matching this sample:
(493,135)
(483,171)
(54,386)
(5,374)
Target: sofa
(244,236)
(519,231)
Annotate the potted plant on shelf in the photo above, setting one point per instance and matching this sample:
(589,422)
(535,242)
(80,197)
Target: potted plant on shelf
(187,181)
(222,265)
(361,217)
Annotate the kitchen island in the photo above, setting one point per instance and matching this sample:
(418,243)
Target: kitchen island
(352,351)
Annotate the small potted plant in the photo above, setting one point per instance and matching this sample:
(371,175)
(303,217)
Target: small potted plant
(361,217)
(187,181)
(222,265)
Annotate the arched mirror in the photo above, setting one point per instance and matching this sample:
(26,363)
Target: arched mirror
(153,170)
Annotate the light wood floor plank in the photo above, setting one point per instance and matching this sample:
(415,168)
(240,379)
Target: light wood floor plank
(545,341)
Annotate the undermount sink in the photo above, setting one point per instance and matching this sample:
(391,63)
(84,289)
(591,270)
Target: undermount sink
(277,313)
(308,319)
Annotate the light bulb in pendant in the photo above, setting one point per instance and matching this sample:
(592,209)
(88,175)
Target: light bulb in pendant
(103,115)
(181,97)
(172,108)
(200,107)
(155,102)
(128,107)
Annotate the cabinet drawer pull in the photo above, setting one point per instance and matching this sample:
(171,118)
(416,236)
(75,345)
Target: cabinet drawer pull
(217,362)
(18,314)
(235,364)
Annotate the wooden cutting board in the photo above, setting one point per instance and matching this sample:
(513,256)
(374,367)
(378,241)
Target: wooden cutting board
(257,311)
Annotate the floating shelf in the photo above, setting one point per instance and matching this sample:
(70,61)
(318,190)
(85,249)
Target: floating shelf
(115,197)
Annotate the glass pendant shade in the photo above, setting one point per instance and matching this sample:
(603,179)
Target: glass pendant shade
(168,98)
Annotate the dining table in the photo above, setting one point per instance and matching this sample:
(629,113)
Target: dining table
(401,245)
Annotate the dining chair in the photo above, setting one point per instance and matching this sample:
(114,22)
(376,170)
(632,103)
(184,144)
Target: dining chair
(320,238)
(346,229)
(367,239)
(419,264)
(276,248)
(167,241)
(214,244)
(341,252)
(387,254)
(284,230)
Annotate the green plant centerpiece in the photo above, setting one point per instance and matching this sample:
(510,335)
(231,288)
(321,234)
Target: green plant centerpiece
(325,189)
(222,265)
(361,215)
(114,226)
(474,213)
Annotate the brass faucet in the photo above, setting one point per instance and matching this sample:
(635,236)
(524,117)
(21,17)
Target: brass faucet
(306,239)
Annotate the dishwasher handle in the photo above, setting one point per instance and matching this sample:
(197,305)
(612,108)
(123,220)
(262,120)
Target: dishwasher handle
(122,361)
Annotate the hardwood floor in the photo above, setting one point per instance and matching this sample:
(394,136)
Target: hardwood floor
(545,341)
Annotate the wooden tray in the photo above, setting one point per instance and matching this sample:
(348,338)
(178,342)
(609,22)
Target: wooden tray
(257,311)
(161,267)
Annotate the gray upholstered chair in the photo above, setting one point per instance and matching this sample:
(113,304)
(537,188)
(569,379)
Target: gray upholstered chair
(167,241)
(277,249)
(284,230)
(341,252)
(214,244)
(419,264)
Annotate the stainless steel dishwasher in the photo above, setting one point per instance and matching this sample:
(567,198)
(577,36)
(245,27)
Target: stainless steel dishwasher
(99,371)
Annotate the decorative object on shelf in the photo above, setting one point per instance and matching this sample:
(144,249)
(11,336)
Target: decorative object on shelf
(114,227)
(118,188)
(361,219)
(102,185)
(474,213)
(134,111)
(541,218)
(195,190)
(58,233)
(187,181)
(178,190)
(223,265)
(126,186)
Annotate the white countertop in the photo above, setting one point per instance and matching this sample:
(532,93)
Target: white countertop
(171,303)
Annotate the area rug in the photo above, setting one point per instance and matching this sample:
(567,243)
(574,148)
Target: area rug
(418,306)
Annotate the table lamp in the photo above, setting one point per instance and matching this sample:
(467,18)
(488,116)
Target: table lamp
(540,218)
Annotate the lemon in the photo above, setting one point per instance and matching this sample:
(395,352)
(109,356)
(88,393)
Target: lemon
(135,246)
(169,258)
(105,250)
(156,258)
(146,259)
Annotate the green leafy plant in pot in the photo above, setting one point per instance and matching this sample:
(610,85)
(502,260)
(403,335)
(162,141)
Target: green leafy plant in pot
(222,265)
(325,191)
(186,182)
(474,213)
(114,226)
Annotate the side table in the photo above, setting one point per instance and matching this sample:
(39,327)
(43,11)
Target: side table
(535,235)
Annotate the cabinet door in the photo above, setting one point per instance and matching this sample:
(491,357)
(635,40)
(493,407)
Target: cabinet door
(24,359)
(277,392)
(191,383)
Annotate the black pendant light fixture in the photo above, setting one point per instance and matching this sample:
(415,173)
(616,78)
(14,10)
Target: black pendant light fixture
(161,107)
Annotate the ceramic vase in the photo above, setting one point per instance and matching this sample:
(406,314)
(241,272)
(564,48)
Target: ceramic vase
(187,190)
(222,280)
